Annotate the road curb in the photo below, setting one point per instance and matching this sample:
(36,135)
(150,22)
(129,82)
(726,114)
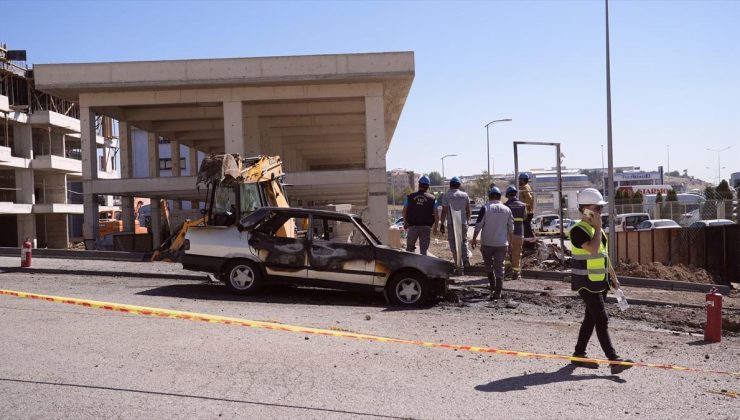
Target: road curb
(84,255)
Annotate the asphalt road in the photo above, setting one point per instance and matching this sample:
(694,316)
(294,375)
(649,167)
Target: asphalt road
(62,361)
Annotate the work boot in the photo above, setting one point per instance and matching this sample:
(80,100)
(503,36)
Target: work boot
(580,363)
(491,281)
(516,276)
(617,369)
(499,286)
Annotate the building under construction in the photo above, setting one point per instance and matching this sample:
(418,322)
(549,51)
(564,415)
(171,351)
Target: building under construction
(41,160)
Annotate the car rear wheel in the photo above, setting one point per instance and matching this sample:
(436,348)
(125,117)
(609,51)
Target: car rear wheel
(407,288)
(243,277)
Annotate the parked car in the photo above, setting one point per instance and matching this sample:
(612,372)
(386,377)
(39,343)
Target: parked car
(554,226)
(629,221)
(712,222)
(657,224)
(330,249)
(398,224)
(540,222)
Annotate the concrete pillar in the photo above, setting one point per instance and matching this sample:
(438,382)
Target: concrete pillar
(24,182)
(156,218)
(377,200)
(193,165)
(57,231)
(253,146)
(125,144)
(234,128)
(153,154)
(176,168)
(88,137)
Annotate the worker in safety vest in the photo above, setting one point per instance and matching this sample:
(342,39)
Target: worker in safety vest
(589,277)
(527,196)
(516,239)
(419,217)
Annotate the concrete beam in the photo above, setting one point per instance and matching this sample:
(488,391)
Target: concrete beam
(187,125)
(174,113)
(231,94)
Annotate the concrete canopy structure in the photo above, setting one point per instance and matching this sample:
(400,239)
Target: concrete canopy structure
(330,117)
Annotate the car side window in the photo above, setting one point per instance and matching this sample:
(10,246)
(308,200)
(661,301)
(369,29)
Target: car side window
(337,230)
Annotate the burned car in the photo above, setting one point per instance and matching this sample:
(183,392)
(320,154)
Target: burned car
(312,248)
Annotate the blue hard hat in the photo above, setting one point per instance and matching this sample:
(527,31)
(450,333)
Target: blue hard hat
(424,180)
(524,176)
(511,190)
(494,191)
(455,180)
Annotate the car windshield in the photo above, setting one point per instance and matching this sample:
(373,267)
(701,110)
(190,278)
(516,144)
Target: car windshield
(665,223)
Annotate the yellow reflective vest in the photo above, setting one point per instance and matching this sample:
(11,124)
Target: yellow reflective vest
(589,271)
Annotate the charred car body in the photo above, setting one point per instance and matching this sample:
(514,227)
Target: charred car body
(313,248)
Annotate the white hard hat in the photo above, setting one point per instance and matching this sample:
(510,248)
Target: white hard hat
(591,196)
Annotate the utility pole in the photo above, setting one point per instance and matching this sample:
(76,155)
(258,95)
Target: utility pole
(443,165)
(609,190)
(668,151)
(488,143)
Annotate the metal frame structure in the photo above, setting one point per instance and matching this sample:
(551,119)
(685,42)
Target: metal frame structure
(560,179)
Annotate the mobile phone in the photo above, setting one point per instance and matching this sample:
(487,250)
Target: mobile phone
(588,213)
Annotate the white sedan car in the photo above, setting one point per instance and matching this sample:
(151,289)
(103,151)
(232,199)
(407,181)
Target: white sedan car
(657,224)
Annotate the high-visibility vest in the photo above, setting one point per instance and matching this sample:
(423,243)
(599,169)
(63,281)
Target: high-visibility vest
(588,271)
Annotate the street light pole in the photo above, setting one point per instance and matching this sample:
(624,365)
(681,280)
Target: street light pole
(443,165)
(718,151)
(609,190)
(488,143)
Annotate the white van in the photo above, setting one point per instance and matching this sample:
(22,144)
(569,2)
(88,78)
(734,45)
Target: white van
(629,221)
(540,222)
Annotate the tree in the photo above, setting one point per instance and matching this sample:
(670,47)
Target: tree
(435,178)
(673,173)
(724,193)
(658,198)
(479,188)
(658,205)
(672,207)
(672,195)
(709,209)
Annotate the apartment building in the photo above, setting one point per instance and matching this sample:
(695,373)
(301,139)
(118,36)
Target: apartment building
(41,160)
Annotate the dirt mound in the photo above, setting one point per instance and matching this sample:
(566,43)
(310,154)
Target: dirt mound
(656,270)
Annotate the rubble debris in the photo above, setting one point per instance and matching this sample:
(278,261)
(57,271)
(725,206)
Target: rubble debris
(656,270)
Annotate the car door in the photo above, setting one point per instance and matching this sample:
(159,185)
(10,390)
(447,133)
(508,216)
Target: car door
(339,253)
(281,244)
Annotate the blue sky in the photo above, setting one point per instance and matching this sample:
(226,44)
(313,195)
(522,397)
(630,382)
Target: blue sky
(675,68)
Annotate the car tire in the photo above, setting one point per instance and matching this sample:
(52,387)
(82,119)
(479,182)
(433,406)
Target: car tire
(243,277)
(407,288)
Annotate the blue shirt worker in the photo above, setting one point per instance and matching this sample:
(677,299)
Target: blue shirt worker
(496,223)
(419,217)
(456,200)
(590,278)
(516,239)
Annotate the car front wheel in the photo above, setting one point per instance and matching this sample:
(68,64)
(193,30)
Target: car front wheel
(243,277)
(406,289)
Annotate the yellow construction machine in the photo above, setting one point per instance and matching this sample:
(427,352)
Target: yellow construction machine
(235,187)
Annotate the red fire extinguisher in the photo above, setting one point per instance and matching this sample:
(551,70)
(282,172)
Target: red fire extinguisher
(713,327)
(26,253)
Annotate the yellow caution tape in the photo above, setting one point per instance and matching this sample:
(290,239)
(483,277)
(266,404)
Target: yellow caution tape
(725,393)
(215,319)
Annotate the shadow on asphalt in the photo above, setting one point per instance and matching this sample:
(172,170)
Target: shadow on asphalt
(699,343)
(270,294)
(521,383)
(99,273)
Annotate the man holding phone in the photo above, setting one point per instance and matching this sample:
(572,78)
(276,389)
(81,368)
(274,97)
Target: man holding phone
(590,278)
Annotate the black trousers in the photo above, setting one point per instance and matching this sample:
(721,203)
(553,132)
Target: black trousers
(597,318)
